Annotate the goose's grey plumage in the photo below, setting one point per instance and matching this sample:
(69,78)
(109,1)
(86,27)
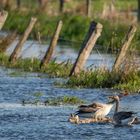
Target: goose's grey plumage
(120,116)
(88,110)
(95,110)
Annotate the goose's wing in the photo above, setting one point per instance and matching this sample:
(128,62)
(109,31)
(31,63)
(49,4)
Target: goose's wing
(82,106)
(92,108)
(86,110)
(93,105)
(97,105)
(123,115)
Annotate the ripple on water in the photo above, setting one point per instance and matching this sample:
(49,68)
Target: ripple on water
(39,122)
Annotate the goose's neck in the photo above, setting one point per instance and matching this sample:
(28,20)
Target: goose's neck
(117,106)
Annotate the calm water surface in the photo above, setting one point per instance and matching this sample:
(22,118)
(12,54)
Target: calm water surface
(33,49)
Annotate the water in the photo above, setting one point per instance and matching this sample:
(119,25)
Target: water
(32,122)
(63,53)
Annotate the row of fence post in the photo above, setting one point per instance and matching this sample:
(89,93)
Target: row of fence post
(92,36)
(43,5)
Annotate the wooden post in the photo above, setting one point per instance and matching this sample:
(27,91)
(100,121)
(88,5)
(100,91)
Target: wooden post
(3,17)
(90,40)
(18,3)
(61,7)
(18,47)
(88,8)
(124,48)
(7,41)
(52,46)
(8,4)
(43,5)
(4,4)
(138,10)
(109,10)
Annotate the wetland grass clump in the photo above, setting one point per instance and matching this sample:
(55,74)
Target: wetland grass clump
(98,78)
(17,74)
(130,82)
(102,78)
(53,69)
(54,101)
(64,100)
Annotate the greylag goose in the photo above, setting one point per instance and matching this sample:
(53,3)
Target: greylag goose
(102,112)
(122,117)
(92,108)
(88,110)
(95,110)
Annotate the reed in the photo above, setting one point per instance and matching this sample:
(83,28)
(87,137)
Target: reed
(53,69)
(97,78)
(103,78)
(74,29)
(54,101)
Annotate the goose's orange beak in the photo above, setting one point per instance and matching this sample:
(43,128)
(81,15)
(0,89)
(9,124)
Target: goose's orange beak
(123,94)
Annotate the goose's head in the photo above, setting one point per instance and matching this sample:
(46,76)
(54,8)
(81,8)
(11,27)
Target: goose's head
(124,93)
(114,98)
(117,97)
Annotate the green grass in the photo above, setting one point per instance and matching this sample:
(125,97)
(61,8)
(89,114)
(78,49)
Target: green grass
(74,6)
(74,28)
(53,69)
(102,78)
(17,74)
(130,82)
(97,78)
(64,100)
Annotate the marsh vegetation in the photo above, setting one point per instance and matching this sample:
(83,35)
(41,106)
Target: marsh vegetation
(74,30)
(36,101)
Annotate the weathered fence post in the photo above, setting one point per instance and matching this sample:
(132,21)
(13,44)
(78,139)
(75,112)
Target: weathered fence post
(43,5)
(109,10)
(88,8)
(5,4)
(138,10)
(7,41)
(125,46)
(18,47)
(52,46)
(18,4)
(90,40)
(3,17)
(61,7)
